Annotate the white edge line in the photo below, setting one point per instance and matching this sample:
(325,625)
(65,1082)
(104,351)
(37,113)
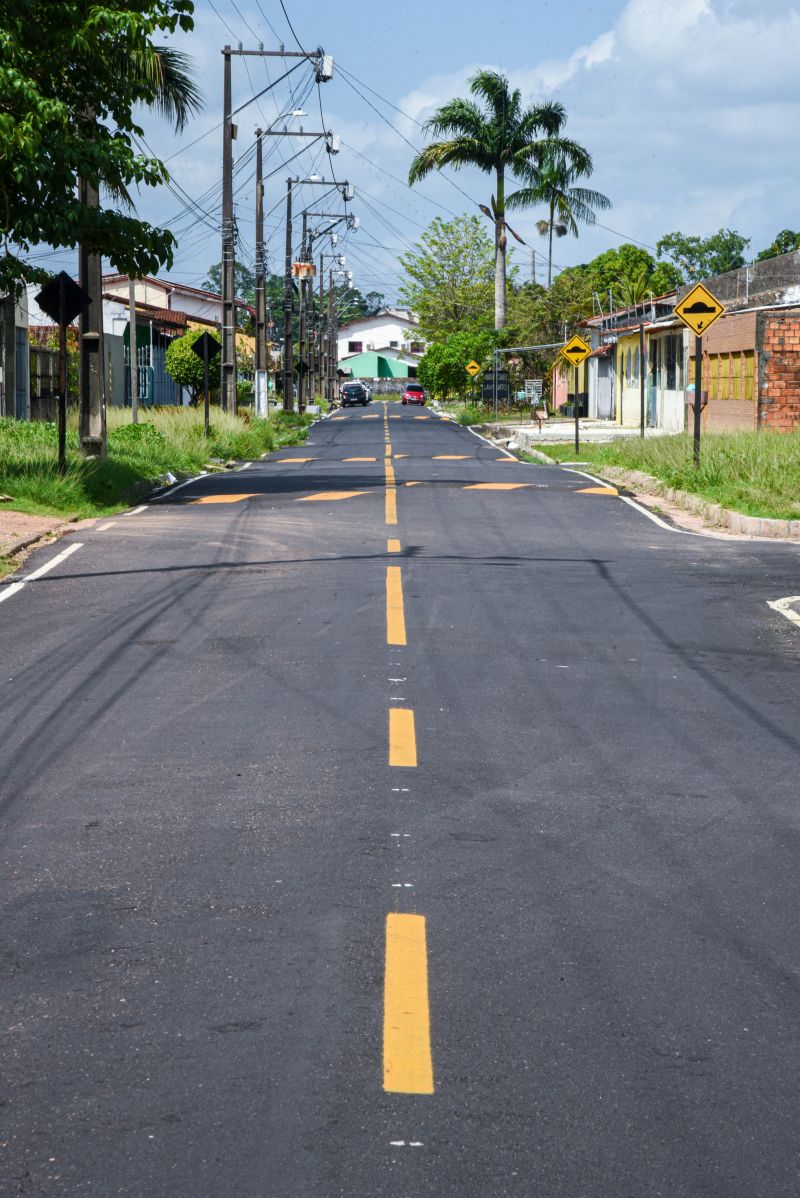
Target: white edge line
(782,606)
(186,482)
(246,466)
(601,482)
(103,527)
(7,592)
(135,511)
(493,444)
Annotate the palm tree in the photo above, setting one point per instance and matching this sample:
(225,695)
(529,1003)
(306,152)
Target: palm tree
(500,137)
(559,164)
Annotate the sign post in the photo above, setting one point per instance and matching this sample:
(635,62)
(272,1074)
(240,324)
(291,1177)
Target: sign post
(62,299)
(576,351)
(698,310)
(206,347)
(473,370)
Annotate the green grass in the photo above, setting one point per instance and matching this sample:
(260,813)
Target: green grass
(166,439)
(755,473)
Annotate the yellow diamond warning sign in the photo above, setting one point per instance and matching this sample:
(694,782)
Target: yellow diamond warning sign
(472,368)
(699,309)
(576,351)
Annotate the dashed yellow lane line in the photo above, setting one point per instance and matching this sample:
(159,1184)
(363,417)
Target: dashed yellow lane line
(391,505)
(402,738)
(388,453)
(392,545)
(395,612)
(407,1058)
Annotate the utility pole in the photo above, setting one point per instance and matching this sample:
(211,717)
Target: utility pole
(132,348)
(331,384)
(288,308)
(228,265)
(318,368)
(262,353)
(92,423)
(323,70)
(302,347)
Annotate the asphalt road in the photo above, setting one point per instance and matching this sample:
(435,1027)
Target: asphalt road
(457,856)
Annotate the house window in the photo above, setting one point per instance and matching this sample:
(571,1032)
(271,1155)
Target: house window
(628,371)
(355,347)
(671,346)
(416,347)
(636,363)
(393,344)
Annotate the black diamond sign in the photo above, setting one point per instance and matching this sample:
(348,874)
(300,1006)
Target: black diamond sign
(62,299)
(206,347)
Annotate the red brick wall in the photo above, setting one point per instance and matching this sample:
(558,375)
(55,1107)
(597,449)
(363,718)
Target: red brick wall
(779,370)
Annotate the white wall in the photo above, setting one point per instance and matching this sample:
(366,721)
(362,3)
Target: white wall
(376,332)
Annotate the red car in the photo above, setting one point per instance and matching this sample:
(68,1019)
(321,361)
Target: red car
(414,393)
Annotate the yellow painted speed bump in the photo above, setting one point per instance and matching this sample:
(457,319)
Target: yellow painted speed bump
(450,457)
(597,491)
(281,461)
(325,496)
(237,498)
(359,459)
(495,486)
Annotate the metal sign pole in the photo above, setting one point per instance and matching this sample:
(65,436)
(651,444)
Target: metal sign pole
(205,388)
(577,413)
(494,382)
(698,386)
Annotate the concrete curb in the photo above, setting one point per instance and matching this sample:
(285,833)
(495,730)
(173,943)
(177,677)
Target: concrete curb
(713,513)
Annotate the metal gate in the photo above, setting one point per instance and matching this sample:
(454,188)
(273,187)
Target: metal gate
(605,390)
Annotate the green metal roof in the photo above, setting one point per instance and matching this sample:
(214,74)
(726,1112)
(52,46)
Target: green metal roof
(371,365)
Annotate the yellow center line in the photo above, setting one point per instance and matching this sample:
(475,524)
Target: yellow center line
(402,737)
(391,505)
(392,545)
(395,612)
(407,1061)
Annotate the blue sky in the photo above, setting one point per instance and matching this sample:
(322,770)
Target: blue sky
(690,109)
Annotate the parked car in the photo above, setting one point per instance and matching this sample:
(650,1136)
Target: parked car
(366,387)
(414,393)
(353,393)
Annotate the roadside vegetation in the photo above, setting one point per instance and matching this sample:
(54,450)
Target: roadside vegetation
(139,455)
(757,473)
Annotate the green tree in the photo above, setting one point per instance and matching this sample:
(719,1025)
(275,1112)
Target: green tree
(703,257)
(72,73)
(449,278)
(442,369)
(551,179)
(185,367)
(501,138)
(784,243)
(244,281)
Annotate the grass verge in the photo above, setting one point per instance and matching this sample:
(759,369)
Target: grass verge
(755,473)
(166,439)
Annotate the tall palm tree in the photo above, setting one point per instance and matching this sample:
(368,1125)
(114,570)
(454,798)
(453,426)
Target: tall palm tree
(500,137)
(551,179)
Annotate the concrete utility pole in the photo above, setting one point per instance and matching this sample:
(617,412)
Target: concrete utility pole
(92,424)
(228,264)
(132,347)
(323,70)
(302,347)
(262,353)
(288,308)
(8,396)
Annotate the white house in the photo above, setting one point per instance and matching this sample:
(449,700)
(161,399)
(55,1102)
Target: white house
(390,332)
(162,296)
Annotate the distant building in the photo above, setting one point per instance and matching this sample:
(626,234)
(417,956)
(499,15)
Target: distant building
(751,357)
(385,345)
(14,366)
